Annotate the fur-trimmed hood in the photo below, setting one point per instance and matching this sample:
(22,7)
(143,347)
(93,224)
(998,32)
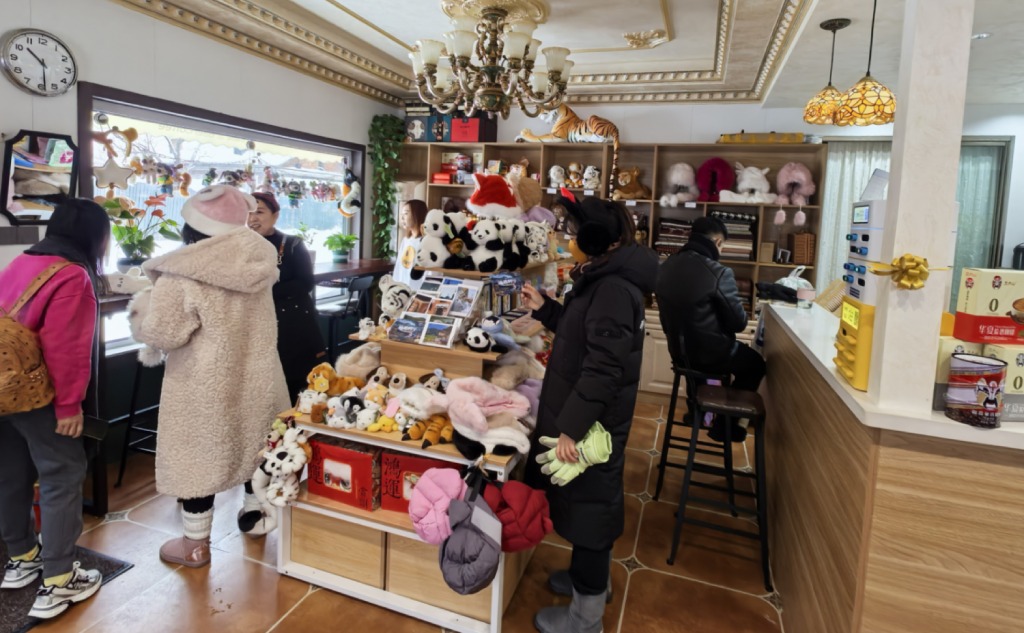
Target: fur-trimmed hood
(240,260)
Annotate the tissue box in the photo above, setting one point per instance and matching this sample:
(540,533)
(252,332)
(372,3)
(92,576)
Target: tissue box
(1013,393)
(948,346)
(399,474)
(990,306)
(346,472)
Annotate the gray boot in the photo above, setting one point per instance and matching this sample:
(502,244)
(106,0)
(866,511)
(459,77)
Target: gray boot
(560,583)
(583,615)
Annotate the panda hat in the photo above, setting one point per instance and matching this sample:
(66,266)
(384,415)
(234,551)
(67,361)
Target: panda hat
(596,223)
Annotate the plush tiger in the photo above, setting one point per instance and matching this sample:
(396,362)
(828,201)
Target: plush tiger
(570,128)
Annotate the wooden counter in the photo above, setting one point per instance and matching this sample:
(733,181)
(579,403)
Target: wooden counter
(881,530)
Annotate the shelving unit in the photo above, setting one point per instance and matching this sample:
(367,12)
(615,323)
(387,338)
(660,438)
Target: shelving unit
(376,556)
(420,160)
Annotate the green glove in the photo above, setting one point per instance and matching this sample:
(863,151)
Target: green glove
(594,448)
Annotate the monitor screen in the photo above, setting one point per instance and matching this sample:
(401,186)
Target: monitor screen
(851,315)
(861,214)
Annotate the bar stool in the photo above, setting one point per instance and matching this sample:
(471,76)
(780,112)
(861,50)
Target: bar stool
(146,433)
(356,302)
(730,403)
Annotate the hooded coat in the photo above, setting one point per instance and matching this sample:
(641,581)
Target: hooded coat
(592,376)
(212,312)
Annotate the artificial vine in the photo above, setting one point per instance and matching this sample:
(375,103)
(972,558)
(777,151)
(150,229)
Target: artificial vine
(387,132)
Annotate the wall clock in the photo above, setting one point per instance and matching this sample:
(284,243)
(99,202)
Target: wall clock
(38,62)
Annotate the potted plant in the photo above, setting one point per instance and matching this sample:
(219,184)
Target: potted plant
(340,244)
(305,233)
(135,229)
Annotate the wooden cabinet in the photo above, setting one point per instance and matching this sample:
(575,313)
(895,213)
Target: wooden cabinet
(656,371)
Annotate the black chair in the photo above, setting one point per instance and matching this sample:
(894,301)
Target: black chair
(356,303)
(146,433)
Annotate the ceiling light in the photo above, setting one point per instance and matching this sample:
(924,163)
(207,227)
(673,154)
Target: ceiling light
(981,36)
(491,66)
(822,106)
(868,102)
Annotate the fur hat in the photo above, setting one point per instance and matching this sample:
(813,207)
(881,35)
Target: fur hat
(493,198)
(218,209)
(596,223)
(360,362)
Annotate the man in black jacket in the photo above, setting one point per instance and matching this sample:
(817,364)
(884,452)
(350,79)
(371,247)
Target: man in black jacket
(700,303)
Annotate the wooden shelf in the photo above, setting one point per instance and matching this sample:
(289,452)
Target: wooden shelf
(452,186)
(774,265)
(458,350)
(473,274)
(384,520)
(740,262)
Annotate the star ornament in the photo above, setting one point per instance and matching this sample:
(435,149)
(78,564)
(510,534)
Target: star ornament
(112,175)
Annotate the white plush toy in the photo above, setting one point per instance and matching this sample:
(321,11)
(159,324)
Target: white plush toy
(308,398)
(556,176)
(591,178)
(682,186)
(276,481)
(751,186)
(366,417)
(366,328)
(335,415)
(395,296)
(537,241)
(128,283)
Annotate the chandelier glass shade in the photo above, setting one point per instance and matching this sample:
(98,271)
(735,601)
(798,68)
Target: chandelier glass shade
(821,108)
(490,65)
(868,102)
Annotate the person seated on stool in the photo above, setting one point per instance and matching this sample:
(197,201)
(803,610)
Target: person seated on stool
(698,300)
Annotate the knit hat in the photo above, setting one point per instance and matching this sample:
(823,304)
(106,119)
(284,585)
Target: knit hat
(493,198)
(218,209)
(268,199)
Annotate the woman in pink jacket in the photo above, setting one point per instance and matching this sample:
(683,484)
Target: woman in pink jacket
(47,442)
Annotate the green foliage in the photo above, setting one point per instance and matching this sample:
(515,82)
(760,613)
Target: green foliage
(305,233)
(340,242)
(135,229)
(387,132)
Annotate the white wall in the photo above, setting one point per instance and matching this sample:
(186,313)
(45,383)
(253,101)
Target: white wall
(704,123)
(121,48)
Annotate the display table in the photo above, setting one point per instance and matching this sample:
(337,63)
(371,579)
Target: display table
(884,521)
(329,271)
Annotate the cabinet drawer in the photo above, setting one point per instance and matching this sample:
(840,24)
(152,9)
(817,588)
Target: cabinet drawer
(413,572)
(338,547)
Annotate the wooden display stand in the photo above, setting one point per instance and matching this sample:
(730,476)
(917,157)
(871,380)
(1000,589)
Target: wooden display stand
(377,556)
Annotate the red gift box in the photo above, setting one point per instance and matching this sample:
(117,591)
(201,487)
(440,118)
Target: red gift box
(442,178)
(399,474)
(346,472)
(478,129)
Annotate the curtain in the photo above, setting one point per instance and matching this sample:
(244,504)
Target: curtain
(977,192)
(850,165)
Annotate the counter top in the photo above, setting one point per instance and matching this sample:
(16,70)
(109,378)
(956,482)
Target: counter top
(814,332)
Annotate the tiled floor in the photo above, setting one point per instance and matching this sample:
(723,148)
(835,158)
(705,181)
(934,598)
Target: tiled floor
(714,587)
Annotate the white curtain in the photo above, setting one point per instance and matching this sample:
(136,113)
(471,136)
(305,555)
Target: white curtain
(977,192)
(850,165)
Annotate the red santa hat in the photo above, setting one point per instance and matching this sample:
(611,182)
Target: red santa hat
(493,198)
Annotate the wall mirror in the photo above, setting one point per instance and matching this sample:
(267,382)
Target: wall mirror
(40,172)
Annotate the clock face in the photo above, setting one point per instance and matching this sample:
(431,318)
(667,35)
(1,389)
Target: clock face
(38,62)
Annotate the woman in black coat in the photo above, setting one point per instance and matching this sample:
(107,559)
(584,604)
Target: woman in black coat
(592,376)
(299,342)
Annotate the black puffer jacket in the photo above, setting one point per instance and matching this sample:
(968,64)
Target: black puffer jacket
(698,300)
(592,376)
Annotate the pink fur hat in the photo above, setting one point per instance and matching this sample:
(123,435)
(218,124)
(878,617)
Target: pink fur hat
(471,401)
(218,209)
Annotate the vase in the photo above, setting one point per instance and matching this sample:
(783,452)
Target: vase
(340,257)
(125,264)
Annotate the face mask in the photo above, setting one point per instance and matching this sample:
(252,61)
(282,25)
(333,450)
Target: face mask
(577,254)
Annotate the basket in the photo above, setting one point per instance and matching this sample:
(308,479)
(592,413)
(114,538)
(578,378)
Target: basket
(802,247)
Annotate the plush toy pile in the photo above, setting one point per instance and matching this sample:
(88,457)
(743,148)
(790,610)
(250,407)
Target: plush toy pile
(276,482)
(717,182)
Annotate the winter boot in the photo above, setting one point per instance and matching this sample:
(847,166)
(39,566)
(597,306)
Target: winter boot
(560,583)
(192,549)
(253,519)
(583,615)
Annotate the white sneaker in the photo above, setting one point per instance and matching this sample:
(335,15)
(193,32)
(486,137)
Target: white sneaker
(53,601)
(22,573)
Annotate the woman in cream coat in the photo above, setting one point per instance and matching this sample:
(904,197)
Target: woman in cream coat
(211,313)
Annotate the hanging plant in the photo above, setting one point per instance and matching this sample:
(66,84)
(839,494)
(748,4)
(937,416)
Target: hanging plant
(387,132)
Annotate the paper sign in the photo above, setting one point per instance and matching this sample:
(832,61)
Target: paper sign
(552,190)
(691,205)
(630,203)
(588,192)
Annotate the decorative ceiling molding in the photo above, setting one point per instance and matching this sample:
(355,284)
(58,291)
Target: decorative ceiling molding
(536,10)
(646,39)
(664,37)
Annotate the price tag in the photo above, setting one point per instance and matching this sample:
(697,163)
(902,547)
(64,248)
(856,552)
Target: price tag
(552,190)
(588,192)
(630,203)
(691,205)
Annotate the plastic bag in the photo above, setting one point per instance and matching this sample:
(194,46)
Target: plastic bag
(795,281)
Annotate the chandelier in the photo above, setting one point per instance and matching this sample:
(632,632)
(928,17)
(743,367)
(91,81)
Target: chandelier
(487,64)
(868,102)
(821,109)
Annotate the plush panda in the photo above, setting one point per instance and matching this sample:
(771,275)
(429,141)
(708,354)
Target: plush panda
(479,340)
(488,256)
(395,296)
(435,224)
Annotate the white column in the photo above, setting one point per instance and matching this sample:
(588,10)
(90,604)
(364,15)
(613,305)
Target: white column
(921,208)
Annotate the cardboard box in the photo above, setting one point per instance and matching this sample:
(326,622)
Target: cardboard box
(1013,392)
(346,472)
(990,306)
(399,474)
(477,129)
(440,128)
(417,129)
(948,346)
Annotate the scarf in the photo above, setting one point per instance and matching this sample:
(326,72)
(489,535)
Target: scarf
(702,245)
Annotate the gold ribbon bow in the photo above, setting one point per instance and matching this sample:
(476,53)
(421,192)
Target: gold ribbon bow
(908,272)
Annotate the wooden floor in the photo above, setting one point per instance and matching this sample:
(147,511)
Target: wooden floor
(714,587)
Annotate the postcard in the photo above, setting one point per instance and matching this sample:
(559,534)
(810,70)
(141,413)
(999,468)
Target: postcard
(440,331)
(464,301)
(408,328)
(439,307)
(448,288)
(420,303)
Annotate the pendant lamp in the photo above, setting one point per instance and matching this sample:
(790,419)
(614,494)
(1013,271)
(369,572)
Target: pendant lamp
(868,102)
(821,109)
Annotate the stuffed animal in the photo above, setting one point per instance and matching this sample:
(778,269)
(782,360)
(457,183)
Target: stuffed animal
(795,183)
(592,178)
(318,413)
(128,283)
(499,330)
(513,369)
(415,403)
(527,190)
(384,424)
(360,362)
(713,176)
(478,340)
(295,192)
(435,381)
(537,242)
(682,186)
(323,379)
(574,175)
(397,384)
(436,430)
(367,418)
(630,187)
(493,198)
(366,328)
(395,297)
(308,398)
(512,233)
(377,396)
(335,417)
(488,256)
(276,480)
(378,378)
(751,186)
(353,200)
(556,176)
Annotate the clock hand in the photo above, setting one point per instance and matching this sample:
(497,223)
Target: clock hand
(37,58)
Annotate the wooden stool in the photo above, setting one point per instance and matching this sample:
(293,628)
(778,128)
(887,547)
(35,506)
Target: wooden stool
(730,404)
(146,433)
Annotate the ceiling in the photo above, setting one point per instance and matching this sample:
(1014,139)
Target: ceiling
(995,76)
(769,51)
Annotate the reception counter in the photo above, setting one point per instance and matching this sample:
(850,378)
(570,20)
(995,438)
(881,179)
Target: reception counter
(884,521)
